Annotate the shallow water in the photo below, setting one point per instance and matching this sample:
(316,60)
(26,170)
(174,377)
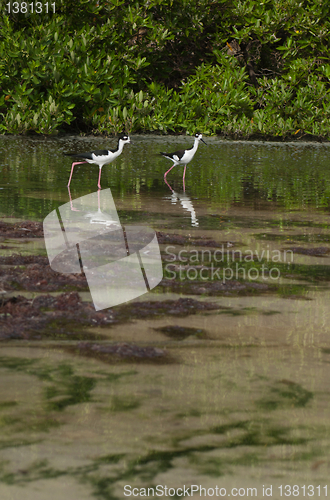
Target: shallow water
(244,402)
(223,174)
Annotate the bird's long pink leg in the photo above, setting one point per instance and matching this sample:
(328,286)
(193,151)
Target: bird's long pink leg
(168,171)
(99,183)
(73,164)
(184,172)
(71,204)
(168,184)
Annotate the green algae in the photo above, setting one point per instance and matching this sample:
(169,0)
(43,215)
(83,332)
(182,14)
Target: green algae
(7,420)
(219,466)
(216,222)
(147,467)
(70,389)
(116,377)
(64,329)
(122,404)
(7,404)
(113,458)
(36,471)
(67,387)
(311,273)
(17,364)
(285,394)
(17,442)
(193,412)
(181,332)
(248,311)
(293,238)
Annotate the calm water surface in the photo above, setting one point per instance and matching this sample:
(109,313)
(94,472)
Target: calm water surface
(271,176)
(247,404)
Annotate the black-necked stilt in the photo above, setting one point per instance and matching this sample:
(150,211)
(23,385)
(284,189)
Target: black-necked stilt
(100,158)
(184,156)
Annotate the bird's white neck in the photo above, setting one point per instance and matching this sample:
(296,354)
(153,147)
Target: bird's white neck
(120,146)
(119,149)
(195,146)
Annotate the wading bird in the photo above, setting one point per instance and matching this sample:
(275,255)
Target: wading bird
(101,157)
(184,156)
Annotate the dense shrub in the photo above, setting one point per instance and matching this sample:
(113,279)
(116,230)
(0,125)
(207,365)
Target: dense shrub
(241,68)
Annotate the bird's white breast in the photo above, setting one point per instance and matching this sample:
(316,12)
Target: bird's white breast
(103,158)
(188,156)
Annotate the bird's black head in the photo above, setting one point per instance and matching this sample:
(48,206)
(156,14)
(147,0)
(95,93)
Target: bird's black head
(124,137)
(199,136)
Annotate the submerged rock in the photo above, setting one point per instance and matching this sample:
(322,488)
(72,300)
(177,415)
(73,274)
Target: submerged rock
(181,332)
(33,273)
(122,350)
(178,239)
(25,229)
(315,252)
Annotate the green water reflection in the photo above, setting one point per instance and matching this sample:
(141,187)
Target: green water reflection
(258,175)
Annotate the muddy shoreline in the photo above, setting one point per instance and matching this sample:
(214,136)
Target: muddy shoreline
(66,314)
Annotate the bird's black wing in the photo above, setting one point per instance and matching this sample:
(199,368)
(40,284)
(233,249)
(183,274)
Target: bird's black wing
(101,152)
(179,154)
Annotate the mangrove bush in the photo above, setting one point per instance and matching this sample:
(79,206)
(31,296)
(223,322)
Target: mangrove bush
(240,68)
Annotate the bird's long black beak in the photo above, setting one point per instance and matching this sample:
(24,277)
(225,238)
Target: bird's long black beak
(204,142)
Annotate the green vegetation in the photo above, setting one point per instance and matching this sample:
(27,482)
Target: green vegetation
(73,389)
(285,394)
(237,68)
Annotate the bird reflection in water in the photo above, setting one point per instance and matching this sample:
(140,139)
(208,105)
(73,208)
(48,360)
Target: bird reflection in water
(96,217)
(185,201)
